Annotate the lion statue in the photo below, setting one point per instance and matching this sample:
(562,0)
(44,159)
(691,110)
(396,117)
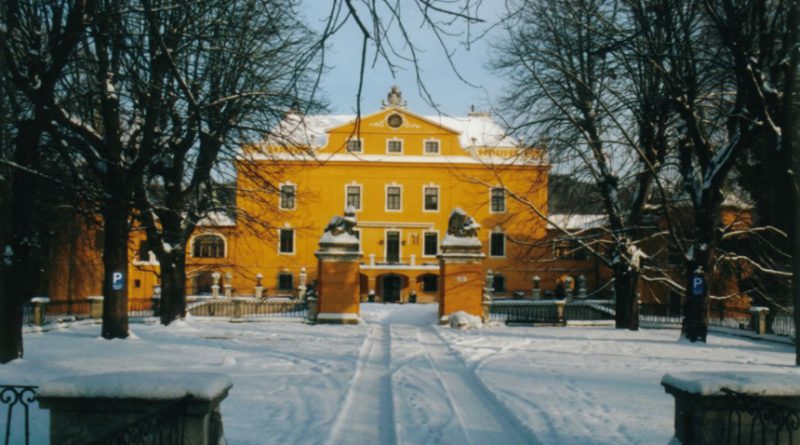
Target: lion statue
(462,225)
(342,224)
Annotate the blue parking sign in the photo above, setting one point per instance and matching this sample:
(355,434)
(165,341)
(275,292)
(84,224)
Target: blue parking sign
(698,285)
(117,281)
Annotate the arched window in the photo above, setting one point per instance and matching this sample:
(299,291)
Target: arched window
(209,246)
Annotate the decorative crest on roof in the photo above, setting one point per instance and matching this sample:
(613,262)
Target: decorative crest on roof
(394,98)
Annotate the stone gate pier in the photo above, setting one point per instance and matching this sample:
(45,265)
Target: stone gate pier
(460,268)
(339,259)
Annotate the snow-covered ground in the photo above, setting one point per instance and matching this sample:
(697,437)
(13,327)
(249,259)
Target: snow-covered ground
(398,378)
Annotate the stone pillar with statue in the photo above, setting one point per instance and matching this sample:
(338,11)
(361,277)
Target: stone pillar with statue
(461,268)
(338,282)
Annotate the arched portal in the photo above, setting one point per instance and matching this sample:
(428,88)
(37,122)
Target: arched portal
(391,287)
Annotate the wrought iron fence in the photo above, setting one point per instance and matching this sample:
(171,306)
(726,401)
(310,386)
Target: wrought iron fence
(660,314)
(753,420)
(588,311)
(13,397)
(727,317)
(162,427)
(515,311)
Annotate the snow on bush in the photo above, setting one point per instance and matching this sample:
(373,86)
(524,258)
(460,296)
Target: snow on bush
(463,320)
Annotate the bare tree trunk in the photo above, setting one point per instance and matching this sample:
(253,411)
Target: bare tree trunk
(115,261)
(173,287)
(627,306)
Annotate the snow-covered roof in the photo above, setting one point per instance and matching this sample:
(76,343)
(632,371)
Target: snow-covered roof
(217,219)
(477,129)
(576,222)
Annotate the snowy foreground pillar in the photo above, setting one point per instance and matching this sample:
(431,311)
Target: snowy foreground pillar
(338,268)
(461,268)
(763,405)
(93,408)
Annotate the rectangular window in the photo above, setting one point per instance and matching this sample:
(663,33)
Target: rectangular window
(431,147)
(285,281)
(394,146)
(498,200)
(432,198)
(430,244)
(137,283)
(354,146)
(497,244)
(430,283)
(287,241)
(287,197)
(393,198)
(499,283)
(354,197)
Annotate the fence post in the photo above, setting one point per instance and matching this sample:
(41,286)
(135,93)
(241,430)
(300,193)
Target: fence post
(228,285)
(758,317)
(536,293)
(156,300)
(312,309)
(39,310)
(237,309)
(96,307)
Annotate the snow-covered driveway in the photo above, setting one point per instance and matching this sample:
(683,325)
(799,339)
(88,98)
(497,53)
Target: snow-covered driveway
(401,379)
(410,388)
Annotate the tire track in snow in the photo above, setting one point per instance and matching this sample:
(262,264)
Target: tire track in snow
(484,419)
(363,419)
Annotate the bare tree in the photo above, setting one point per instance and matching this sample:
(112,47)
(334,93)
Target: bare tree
(36,41)
(580,87)
(233,73)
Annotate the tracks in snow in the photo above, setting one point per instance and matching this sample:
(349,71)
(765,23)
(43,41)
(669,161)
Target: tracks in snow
(409,387)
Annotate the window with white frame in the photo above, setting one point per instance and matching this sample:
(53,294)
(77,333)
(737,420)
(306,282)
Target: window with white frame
(431,198)
(394,197)
(394,146)
(354,146)
(497,244)
(288,192)
(353,196)
(430,244)
(286,244)
(498,200)
(431,147)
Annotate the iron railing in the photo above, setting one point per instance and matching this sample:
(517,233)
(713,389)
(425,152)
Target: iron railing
(727,317)
(660,314)
(165,426)
(526,311)
(753,420)
(13,397)
(249,308)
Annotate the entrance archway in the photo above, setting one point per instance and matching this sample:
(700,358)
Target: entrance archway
(392,284)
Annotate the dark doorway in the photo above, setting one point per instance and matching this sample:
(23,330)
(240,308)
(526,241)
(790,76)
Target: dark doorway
(392,247)
(391,288)
(202,283)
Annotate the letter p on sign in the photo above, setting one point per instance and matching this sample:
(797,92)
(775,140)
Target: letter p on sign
(117,280)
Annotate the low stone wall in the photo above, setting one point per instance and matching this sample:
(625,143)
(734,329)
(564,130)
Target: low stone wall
(92,408)
(722,407)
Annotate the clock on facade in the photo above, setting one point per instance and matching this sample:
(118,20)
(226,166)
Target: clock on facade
(395,121)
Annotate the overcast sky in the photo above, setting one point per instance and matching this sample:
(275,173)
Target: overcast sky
(453,96)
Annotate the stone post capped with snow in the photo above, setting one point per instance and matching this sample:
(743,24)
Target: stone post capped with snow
(460,268)
(93,408)
(228,285)
(215,287)
(338,282)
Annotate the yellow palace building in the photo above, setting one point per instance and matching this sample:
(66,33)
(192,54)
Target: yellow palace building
(402,173)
